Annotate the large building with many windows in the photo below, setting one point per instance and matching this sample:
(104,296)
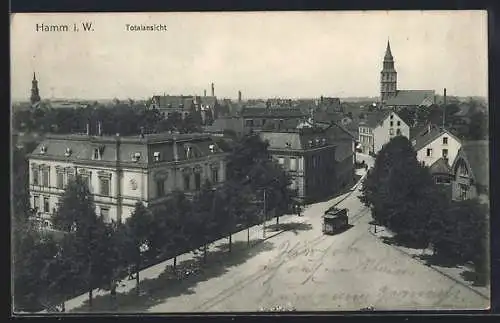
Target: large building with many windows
(120,171)
(319,157)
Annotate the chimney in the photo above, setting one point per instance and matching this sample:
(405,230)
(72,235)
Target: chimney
(99,128)
(444,108)
(204,92)
(321,100)
(142,132)
(239,96)
(88,129)
(213,90)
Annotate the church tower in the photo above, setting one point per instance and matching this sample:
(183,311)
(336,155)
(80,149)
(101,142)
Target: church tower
(35,95)
(388,76)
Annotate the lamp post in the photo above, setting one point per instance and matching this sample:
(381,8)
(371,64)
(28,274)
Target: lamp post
(264,214)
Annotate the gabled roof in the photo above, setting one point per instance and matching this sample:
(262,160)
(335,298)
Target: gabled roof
(429,135)
(412,98)
(477,154)
(440,166)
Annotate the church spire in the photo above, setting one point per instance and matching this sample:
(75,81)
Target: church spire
(35,95)
(388,54)
(388,76)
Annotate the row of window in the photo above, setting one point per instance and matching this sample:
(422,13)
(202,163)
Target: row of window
(103,211)
(160,183)
(444,153)
(391,123)
(63,177)
(391,131)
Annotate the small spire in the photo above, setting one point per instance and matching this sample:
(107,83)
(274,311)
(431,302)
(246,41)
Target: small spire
(388,54)
(34,76)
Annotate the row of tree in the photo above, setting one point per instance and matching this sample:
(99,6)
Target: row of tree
(121,118)
(404,198)
(87,253)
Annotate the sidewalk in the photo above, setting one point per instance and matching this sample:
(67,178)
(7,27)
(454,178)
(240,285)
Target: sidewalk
(256,236)
(452,273)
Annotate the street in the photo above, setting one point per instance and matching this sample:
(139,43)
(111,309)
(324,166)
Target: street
(315,272)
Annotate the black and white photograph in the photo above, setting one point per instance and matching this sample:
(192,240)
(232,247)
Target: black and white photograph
(249,162)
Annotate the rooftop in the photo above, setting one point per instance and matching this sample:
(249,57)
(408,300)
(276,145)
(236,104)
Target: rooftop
(429,134)
(412,98)
(440,166)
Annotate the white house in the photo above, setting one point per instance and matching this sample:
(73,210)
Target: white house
(379,128)
(120,171)
(434,143)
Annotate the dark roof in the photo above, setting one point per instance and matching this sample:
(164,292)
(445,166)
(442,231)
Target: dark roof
(226,123)
(440,166)
(477,153)
(300,138)
(412,98)
(173,101)
(82,147)
(372,119)
(417,130)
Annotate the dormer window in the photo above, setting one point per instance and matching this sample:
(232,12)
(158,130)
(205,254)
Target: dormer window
(317,141)
(43,149)
(323,141)
(136,156)
(310,143)
(96,153)
(67,153)
(156,156)
(212,148)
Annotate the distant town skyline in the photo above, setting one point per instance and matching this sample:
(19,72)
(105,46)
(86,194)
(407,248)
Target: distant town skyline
(261,54)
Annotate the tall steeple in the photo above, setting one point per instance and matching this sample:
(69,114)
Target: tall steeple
(388,76)
(35,95)
(388,54)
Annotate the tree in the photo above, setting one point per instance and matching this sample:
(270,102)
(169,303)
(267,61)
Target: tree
(401,192)
(139,228)
(76,214)
(461,233)
(207,208)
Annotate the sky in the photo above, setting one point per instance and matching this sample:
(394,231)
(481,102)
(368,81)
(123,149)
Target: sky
(262,54)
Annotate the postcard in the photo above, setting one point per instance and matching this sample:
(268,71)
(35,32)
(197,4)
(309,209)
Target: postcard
(250,162)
